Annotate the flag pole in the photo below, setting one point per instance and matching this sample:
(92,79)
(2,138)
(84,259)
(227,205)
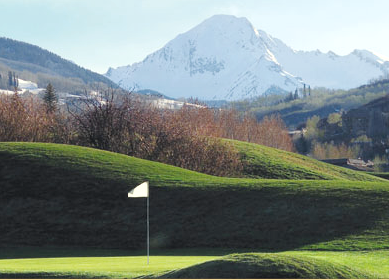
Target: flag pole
(148,226)
(143,191)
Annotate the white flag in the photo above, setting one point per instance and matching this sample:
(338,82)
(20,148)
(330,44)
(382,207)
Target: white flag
(140,191)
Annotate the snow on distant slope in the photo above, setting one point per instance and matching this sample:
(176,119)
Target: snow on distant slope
(23,87)
(331,70)
(225,57)
(29,86)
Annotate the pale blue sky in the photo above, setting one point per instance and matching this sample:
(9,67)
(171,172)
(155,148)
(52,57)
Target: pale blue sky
(97,34)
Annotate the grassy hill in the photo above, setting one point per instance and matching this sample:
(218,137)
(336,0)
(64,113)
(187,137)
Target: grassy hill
(384,175)
(34,262)
(266,266)
(63,195)
(265,162)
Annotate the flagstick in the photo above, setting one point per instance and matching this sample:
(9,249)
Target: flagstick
(143,191)
(148,230)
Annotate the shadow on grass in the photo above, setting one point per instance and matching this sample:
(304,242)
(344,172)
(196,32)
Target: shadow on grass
(76,209)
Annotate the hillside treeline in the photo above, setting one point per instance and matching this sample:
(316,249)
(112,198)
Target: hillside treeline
(320,102)
(188,138)
(23,56)
(41,78)
(360,132)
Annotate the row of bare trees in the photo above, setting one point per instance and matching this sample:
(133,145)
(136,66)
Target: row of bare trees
(135,128)
(230,124)
(188,138)
(27,120)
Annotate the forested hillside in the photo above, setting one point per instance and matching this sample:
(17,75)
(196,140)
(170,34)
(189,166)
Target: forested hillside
(365,129)
(302,104)
(33,63)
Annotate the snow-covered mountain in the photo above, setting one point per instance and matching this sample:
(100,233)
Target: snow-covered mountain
(225,57)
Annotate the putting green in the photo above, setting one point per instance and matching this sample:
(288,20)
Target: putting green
(110,267)
(375,263)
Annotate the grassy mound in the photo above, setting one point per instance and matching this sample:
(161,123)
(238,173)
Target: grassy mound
(65,195)
(257,265)
(264,162)
(384,175)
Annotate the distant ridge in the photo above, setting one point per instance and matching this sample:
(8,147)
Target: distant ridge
(21,56)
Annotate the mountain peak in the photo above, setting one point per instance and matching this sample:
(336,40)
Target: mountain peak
(221,29)
(226,19)
(225,57)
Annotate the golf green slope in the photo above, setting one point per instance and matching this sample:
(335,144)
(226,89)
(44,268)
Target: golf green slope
(267,266)
(63,195)
(33,262)
(265,162)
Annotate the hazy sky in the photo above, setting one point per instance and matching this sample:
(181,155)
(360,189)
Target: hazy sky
(97,34)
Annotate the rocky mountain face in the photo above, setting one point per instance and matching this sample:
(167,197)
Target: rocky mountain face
(226,58)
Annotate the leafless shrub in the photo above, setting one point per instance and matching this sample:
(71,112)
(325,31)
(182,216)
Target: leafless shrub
(134,128)
(188,138)
(25,119)
(271,131)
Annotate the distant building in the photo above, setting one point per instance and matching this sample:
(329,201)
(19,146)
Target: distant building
(297,132)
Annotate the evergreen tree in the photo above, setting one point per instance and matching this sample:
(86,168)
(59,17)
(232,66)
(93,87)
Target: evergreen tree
(296,94)
(304,92)
(289,97)
(309,90)
(50,98)
(302,145)
(15,83)
(10,80)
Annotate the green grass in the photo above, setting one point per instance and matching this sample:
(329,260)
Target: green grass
(89,263)
(384,175)
(266,265)
(95,267)
(63,195)
(76,197)
(265,162)
(375,263)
